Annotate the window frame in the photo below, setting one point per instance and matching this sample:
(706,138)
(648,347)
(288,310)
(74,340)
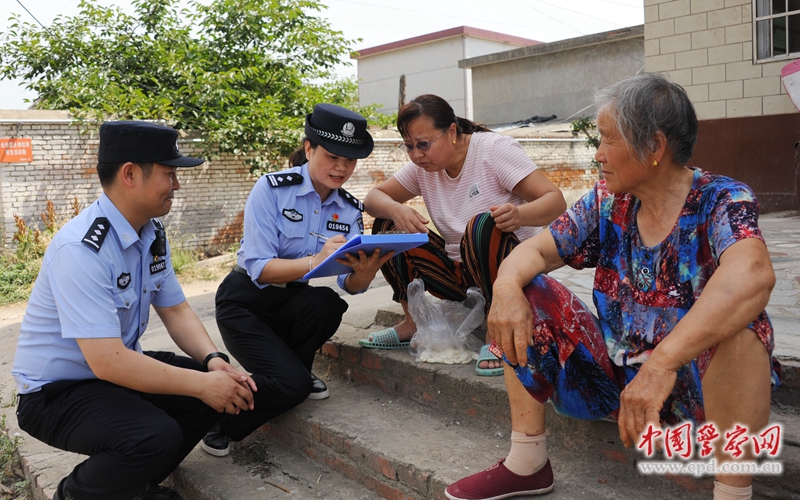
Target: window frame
(769,17)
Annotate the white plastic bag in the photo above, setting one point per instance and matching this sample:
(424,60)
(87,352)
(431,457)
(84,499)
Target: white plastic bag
(444,327)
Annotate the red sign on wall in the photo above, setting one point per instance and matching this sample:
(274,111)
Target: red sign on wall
(16,150)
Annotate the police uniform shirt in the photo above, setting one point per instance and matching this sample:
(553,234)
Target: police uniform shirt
(100,288)
(283,210)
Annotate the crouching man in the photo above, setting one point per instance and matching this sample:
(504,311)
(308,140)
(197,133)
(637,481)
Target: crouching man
(85,384)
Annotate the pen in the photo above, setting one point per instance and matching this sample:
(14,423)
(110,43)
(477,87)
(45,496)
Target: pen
(323,238)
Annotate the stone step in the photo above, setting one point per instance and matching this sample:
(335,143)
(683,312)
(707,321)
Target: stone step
(403,450)
(358,432)
(259,469)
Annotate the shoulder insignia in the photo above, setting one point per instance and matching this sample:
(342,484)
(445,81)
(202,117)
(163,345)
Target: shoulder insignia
(96,234)
(351,199)
(282,179)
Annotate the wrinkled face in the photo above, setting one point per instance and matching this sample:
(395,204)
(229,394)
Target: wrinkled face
(158,189)
(327,170)
(421,130)
(622,169)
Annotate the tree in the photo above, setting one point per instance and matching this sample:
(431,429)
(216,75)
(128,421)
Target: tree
(237,70)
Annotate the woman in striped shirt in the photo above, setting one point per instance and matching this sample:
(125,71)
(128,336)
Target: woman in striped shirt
(484,195)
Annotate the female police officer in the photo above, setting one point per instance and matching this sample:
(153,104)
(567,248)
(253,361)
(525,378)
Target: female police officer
(271,320)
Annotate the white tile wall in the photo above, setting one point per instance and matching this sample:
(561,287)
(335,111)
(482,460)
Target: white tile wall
(716,65)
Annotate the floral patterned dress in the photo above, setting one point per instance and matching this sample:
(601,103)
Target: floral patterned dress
(582,362)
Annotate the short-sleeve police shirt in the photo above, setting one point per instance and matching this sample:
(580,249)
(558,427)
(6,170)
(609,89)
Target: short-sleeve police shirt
(98,279)
(282,211)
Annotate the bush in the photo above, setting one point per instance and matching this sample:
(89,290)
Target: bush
(16,278)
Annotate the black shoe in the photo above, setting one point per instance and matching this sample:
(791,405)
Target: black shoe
(318,389)
(216,443)
(158,492)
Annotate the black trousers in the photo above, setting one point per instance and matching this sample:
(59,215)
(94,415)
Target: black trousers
(132,438)
(274,332)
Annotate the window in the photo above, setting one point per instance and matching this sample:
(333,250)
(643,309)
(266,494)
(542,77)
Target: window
(777,29)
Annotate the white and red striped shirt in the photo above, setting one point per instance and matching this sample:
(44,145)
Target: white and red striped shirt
(494,165)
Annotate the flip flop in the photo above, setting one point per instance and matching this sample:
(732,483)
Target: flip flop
(486,355)
(384,339)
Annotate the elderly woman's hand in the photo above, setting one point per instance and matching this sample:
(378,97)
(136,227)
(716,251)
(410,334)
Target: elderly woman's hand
(511,321)
(409,220)
(506,217)
(642,399)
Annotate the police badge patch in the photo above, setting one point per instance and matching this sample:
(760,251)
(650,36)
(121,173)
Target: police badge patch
(124,280)
(339,227)
(292,214)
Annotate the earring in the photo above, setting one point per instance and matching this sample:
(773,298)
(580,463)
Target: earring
(454,141)
(655,163)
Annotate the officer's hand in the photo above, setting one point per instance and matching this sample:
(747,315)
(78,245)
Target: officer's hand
(225,393)
(219,364)
(330,246)
(365,267)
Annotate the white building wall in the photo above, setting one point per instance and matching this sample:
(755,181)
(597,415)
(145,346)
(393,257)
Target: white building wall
(429,68)
(707,47)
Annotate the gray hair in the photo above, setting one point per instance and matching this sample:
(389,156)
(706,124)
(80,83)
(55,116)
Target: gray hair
(644,104)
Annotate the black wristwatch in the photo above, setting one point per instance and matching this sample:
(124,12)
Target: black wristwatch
(215,355)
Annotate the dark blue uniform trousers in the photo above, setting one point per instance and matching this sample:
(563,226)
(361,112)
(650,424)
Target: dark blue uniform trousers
(132,438)
(274,332)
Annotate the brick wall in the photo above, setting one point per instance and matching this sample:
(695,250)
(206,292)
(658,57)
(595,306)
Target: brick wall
(207,211)
(707,47)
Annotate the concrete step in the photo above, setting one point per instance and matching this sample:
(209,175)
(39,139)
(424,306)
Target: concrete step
(407,430)
(403,450)
(259,469)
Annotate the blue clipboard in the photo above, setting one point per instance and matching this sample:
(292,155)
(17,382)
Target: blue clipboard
(368,242)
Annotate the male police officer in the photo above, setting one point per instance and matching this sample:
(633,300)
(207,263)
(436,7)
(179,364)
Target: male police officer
(85,385)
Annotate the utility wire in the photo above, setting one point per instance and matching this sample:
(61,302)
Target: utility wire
(580,13)
(551,17)
(34,17)
(460,18)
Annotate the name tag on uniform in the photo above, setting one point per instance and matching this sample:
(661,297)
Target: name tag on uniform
(157,267)
(338,226)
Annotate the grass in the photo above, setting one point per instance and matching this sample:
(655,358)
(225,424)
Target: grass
(19,268)
(13,485)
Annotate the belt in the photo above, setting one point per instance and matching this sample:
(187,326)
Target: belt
(292,284)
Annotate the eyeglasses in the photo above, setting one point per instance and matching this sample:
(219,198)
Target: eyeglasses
(421,145)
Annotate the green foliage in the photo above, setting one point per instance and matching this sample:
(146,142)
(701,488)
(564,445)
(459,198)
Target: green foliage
(8,449)
(16,278)
(237,70)
(583,125)
(19,269)
(344,92)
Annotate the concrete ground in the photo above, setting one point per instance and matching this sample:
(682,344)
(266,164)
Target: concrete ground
(306,478)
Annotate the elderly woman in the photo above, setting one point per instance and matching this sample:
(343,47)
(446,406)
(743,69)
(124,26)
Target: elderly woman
(682,280)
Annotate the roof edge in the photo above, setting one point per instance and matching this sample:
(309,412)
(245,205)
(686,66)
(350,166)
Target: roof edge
(629,33)
(448,33)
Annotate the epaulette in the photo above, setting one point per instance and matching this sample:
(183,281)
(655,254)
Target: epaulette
(352,199)
(282,179)
(96,234)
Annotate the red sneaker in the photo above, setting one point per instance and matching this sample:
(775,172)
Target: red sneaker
(498,482)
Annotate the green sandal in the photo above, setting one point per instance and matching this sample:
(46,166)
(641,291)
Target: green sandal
(384,339)
(486,355)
